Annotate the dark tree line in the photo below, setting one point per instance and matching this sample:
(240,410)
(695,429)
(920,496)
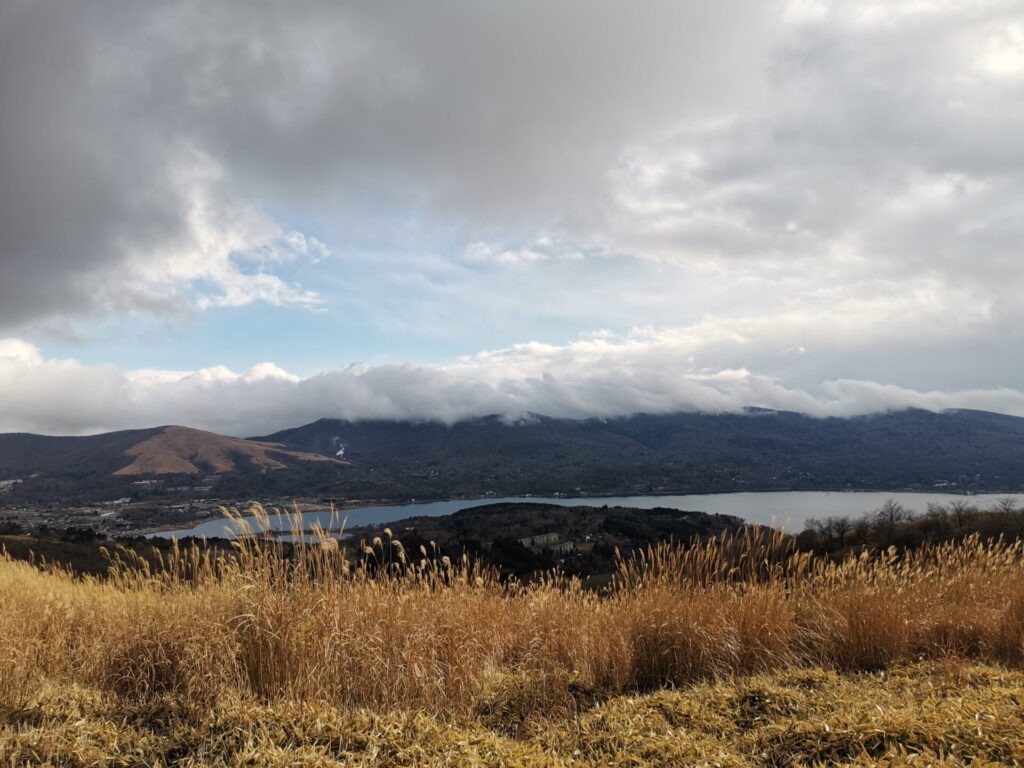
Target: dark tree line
(893,524)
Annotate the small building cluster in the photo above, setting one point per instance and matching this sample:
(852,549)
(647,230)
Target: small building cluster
(548,542)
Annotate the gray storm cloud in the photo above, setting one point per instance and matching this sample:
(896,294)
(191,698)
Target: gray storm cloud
(142,146)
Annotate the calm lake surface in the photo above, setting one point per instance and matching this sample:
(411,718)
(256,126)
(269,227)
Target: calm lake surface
(782,509)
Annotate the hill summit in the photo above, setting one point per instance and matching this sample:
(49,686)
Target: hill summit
(185,451)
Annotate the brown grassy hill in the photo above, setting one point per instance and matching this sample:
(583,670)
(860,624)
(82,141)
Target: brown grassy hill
(739,651)
(184,451)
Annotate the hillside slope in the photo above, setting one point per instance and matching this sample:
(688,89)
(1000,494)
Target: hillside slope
(683,452)
(956,450)
(158,462)
(179,450)
(143,452)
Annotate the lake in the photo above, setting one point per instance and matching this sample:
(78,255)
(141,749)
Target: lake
(782,509)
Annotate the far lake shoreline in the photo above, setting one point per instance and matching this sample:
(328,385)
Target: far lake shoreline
(783,509)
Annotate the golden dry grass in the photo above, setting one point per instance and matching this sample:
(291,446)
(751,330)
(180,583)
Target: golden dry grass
(710,653)
(930,713)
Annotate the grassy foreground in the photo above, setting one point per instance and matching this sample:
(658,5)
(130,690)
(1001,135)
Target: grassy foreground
(923,714)
(736,651)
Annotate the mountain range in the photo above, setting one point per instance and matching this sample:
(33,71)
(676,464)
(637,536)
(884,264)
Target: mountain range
(330,458)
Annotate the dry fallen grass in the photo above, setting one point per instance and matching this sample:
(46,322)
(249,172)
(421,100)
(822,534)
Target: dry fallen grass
(734,651)
(929,713)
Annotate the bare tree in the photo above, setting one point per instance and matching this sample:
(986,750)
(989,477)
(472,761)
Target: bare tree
(936,518)
(862,529)
(841,526)
(961,511)
(1006,505)
(822,529)
(891,513)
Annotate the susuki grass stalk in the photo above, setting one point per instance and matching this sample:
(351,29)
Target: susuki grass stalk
(314,620)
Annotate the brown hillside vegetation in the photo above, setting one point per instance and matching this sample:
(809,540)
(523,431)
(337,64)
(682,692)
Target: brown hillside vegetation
(178,450)
(732,651)
(924,714)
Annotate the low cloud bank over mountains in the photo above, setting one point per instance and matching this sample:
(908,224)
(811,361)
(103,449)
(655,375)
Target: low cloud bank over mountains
(601,379)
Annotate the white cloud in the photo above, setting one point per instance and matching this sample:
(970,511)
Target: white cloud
(218,235)
(305,245)
(263,371)
(237,289)
(543,248)
(1004,55)
(592,378)
(18,351)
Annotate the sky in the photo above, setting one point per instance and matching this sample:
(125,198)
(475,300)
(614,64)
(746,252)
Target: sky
(243,216)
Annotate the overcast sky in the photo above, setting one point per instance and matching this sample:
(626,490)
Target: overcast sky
(244,216)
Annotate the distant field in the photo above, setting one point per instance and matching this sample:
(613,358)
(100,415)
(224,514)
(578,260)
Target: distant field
(735,651)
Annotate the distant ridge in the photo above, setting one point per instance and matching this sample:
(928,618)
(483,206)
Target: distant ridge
(758,449)
(132,454)
(958,451)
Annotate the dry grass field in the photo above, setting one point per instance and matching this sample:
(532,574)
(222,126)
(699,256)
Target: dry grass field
(735,651)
